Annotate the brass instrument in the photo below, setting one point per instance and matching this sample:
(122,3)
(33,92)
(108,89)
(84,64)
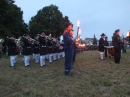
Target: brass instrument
(61,47)
(1,41)
(17,41)
(54,39)
(37,42)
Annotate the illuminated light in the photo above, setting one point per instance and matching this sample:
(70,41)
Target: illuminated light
(128,34)
(79,32)
(78,23)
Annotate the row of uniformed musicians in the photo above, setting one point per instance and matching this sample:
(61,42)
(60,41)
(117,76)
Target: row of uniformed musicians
(42,47)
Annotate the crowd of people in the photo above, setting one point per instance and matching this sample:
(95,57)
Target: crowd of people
(49,48)
(43,48)
(117,44)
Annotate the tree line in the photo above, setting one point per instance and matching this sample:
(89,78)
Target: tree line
(49,18)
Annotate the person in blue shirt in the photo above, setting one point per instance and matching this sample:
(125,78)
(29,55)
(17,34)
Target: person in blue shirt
(68,48)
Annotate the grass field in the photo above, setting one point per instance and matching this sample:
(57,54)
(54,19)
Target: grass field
(92,78)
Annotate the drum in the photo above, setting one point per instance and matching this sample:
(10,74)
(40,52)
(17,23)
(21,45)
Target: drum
(111,50)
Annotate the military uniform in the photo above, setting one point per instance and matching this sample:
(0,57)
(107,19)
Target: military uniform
(27,51)
(58,51)
(117,46)
(106,44)
(101,46)
(43,49)
(11,50)
(62,50)
(36,50)
(55,48)
(50,49)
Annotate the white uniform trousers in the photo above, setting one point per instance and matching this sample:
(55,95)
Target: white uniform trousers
(26,60)
(63,54)
(42,60)
(101,55)
(16,56)
(33,56)
(47,56)
(58,54)
(54,56)
(12,59)
(50,58)
(37,58)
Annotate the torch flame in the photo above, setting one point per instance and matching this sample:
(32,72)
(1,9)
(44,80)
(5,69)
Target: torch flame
(127,34)
(79,31)
(78,23)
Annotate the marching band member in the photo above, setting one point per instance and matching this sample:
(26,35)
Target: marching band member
(36,49)
(117,46)
(62,51)
(43,48)
(16,53)
(50,50)
(68,47)
(55,48)
(11,49)
(26,49)
(101,46)
(59,50)
(106,44)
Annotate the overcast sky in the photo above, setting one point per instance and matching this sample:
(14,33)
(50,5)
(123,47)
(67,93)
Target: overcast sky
(96,16)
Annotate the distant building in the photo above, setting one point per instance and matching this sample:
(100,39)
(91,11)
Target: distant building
(89,41)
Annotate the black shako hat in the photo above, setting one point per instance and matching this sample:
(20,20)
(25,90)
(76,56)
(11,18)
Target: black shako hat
(27,34)
(102,34)
(42,31)
(117,30)
(11,35)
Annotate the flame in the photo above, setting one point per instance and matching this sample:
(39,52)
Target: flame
(79,31)
(127,34)
(78,23)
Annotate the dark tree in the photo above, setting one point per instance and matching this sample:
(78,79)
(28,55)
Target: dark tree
(13,17)
(49,19)
(94,40)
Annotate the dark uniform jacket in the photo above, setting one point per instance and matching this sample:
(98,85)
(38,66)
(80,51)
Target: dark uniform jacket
(116,41)
(43,47)
(50,45)
(62,44)
(36,47)
(55,48)
(59,50)
(11,47)
(27,50)
(101,45)
(106,43)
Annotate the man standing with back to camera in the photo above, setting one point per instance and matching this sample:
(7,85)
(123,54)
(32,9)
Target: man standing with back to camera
(117,46)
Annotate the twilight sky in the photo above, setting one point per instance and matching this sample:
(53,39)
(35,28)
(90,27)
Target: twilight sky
(95,16)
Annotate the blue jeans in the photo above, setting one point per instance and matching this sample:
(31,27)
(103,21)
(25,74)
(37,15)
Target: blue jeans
(68,58)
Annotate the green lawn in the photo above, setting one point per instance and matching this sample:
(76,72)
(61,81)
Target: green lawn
(92,78)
